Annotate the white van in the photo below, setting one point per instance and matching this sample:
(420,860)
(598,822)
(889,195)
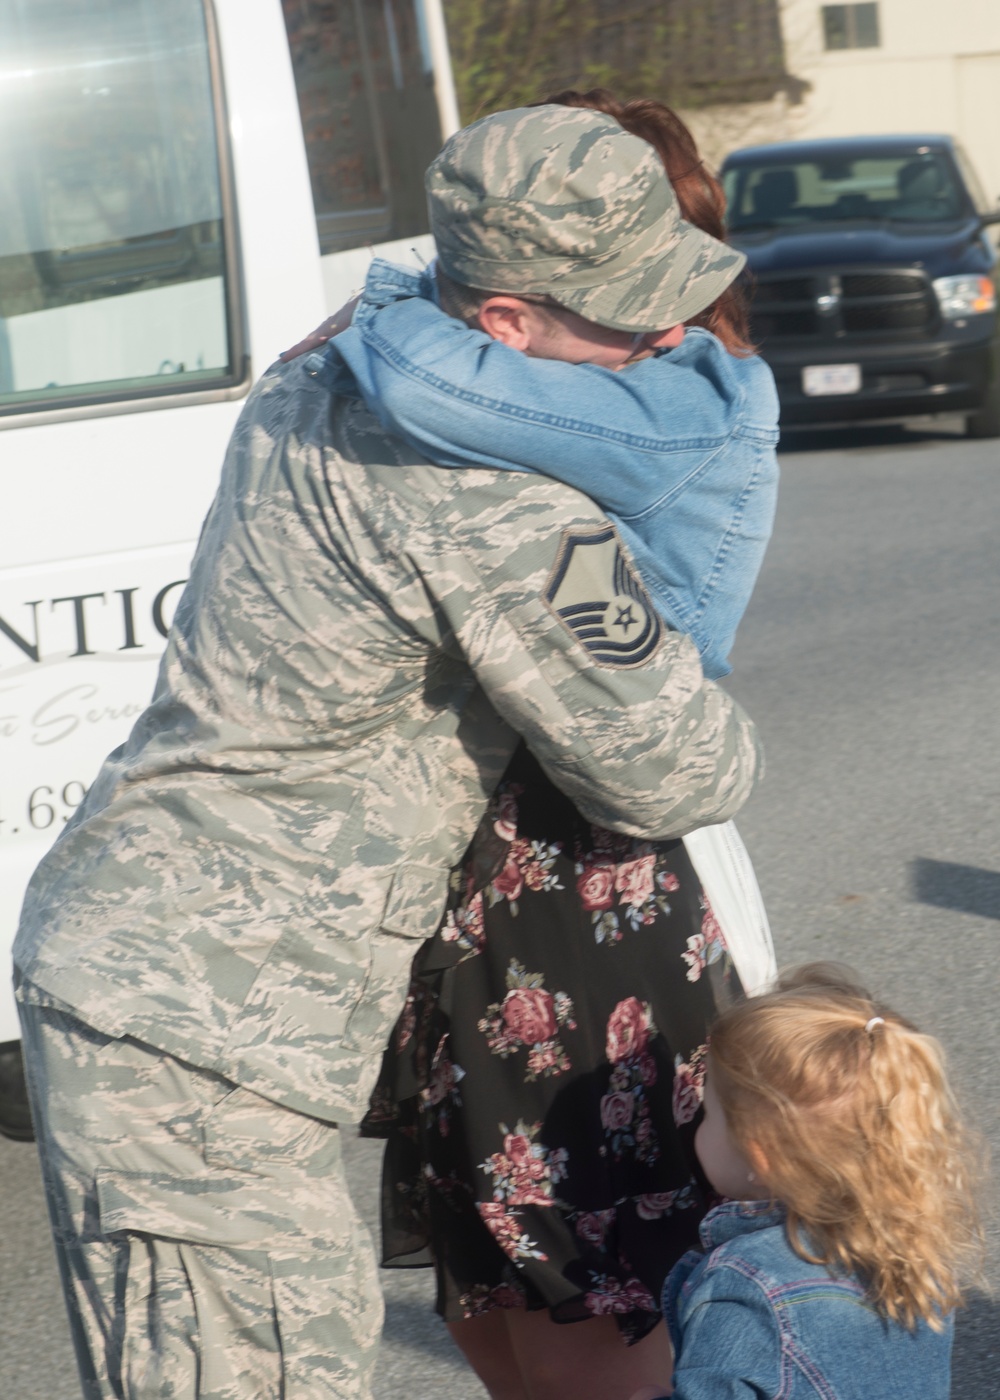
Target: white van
(186,188)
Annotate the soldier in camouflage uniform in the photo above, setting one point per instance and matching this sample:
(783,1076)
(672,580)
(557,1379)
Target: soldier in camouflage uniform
(212,956)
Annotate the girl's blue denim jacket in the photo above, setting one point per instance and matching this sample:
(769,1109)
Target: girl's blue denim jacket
(750,1320)
(678,449)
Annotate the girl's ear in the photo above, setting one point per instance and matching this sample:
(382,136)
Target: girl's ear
(757,1158)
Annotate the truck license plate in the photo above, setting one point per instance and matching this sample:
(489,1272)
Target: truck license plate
(831,379)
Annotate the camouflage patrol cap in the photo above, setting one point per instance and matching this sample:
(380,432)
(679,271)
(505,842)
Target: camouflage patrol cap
(562,201)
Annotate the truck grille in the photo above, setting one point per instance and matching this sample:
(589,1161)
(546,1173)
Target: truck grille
(834,304)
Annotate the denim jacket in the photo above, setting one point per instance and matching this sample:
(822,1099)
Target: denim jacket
(750,1320)
(678,449)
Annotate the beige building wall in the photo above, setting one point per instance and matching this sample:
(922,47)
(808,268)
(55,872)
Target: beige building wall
(937,70)
(720,129)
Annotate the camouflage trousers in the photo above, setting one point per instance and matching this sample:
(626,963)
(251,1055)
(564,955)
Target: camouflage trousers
(207,1243)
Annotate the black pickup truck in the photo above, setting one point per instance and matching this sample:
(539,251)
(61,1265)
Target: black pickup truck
(874,278)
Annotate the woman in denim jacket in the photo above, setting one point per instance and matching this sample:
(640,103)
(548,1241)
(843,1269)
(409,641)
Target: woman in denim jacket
(677,441)
(540,1091)
(833,1271)
(678,446)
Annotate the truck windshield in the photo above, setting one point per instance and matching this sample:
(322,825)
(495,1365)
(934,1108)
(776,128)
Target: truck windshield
(918,187)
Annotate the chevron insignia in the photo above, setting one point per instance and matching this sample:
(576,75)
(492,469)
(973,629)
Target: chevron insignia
(595,593)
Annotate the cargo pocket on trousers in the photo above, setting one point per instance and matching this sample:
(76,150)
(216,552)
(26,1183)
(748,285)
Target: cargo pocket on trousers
(235,1210)
(156,1323)
(252,1134)
(413,910)
(197,1319)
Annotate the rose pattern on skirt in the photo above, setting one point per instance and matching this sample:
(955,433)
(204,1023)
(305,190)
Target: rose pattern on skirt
(689,1085)
(442,1092)
(608,1294)
(466,925)
(628,1032)
(528,863)
(625,1113)
(452,1188)
(506,1229)
(654,1205)
(480,1299)
(407,1022)
(593,1226)
(707,946)
(634,880)
(503,810)
(528,1018)
(523,1173)
(615,865)
(609,865)
(595,884)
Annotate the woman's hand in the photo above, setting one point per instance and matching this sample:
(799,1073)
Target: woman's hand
(332,326)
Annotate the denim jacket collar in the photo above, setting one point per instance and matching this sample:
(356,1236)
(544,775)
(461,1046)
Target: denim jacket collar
(735,1218)
(387,282)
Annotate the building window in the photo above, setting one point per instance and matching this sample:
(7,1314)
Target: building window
(850,27)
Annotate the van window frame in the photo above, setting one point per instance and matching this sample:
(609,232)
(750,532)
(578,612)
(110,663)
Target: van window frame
(232,384)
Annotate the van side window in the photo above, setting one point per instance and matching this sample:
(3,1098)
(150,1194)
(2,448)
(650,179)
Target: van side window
(113,277)
(369,115)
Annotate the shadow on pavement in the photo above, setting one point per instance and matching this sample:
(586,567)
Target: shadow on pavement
(414,1324)
(976,1362)
(872,437)
(966,889)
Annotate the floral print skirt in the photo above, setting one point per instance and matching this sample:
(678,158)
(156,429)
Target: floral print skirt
(540,1093)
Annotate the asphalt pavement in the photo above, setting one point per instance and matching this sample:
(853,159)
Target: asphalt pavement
(870,658)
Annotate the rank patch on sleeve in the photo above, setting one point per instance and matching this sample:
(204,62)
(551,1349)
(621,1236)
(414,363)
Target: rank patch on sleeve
(594,592)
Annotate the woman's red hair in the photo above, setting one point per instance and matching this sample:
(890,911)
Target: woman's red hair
(698,192)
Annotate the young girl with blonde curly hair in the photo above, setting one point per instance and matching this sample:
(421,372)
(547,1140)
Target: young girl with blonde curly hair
(834,1267)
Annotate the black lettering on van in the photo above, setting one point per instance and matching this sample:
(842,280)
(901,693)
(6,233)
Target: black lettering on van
(128,617)
(30,649)
(78,600)
(158,601)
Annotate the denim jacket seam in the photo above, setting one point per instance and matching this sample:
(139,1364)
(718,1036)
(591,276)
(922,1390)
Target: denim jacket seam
(792,1355)
(761,1281)
(723,552)
(739,430)
(812,1373)
(751,432)
(717,446)
(806,1290)
(658,446)
(693,615)
(687,618)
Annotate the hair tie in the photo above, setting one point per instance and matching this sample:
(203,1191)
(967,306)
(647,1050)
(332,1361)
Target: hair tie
(875,1021)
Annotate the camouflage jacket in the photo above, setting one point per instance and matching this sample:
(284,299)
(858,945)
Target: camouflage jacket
(362,640)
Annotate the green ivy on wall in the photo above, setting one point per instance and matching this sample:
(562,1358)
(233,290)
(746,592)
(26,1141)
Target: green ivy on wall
(691,53)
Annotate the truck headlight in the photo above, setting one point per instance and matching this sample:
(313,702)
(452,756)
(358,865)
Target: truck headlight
(965,295)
